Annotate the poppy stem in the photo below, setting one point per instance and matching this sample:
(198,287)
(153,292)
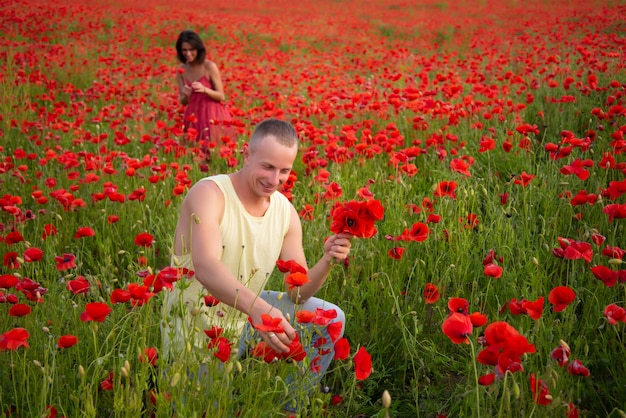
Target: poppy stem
(475,378)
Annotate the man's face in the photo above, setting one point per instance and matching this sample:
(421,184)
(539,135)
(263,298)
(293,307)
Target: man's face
(269,165)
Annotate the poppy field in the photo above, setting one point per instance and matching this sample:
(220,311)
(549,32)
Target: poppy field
(487,141)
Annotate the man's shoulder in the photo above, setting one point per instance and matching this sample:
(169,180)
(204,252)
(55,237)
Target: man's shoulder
(207,187)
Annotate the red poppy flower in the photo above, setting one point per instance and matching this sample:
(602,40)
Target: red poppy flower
(362,364)
(84,231)
(431,293)
(541,395)
(10,260)
(65,262)
(14,339)
(577,168)
(605,275)
(210,300)
(333,191)
(305,317)
(66,341)
(296,279)
(19,309)
(457,327)
(13,237)
(224,349)
(576,368)
(334,330)
(478,319)
(107,384)
(561,354)
(433,218)
(139,294)
(560,297)
(418,232)
(486,379)
(493,270)
(336,400)
(615,211)
(290,266)
(8,281)
(446,189)
(342,349)
(269,324)
(307,212)
(144,239)
(112,219)
(95,311)
(614,313)
(524,179)
(460,166)
(214,332)
(324,316)
(459,305)
(78,285)
(120,296)
(356,218)
(396,253)
(149,355)
(571,412)
(48,231)
(598,239)
(613,252)
(33,254)
(296,351)
(264,351)
(534,309)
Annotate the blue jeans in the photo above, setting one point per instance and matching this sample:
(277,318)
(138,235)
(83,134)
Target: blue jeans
(310,334)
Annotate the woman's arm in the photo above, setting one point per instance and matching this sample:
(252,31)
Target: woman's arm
(183,90)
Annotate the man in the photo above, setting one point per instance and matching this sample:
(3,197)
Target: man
(231,231)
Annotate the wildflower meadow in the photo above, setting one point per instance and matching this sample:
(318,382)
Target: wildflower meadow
(475,149)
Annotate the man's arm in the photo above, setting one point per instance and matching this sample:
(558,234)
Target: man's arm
(336,248)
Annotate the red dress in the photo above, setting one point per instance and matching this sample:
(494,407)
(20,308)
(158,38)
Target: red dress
(210,118)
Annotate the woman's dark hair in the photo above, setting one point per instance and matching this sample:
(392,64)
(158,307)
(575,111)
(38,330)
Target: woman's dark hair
(192,39)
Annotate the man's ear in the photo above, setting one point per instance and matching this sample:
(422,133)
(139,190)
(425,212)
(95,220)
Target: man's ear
(245,151)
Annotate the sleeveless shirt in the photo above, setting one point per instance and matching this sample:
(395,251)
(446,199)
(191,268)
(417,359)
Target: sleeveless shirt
(250,247)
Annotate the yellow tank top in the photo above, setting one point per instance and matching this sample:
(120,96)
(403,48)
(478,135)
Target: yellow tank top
(251,246)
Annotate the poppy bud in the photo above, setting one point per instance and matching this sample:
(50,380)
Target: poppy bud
(37,363)
(81,371)
(175,379)
(615,261)
(386,399)
(535,261)
(515,390)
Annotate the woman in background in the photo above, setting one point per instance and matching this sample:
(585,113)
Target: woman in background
(200,88)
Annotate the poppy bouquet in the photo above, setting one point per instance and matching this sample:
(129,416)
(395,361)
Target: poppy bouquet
(356,217)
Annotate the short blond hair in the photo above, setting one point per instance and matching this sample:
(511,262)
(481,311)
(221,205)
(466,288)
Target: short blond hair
(282,131)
